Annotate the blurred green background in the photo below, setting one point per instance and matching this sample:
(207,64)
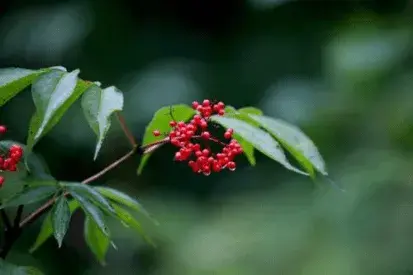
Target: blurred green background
(341,70)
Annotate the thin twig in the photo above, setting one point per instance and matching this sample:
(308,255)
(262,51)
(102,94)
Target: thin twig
(126,130)
(37,213)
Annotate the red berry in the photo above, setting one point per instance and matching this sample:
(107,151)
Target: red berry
(206,135)
(7,162)
(231,165)
(216,167)
(3,129)
(12,167)
(227,135)
(204,124)
(197,118)
(178,156)
(221,112)
(195,104)
(172,123)
(221,105)
(156,133)
(1,181)
(16,147)
(206,103)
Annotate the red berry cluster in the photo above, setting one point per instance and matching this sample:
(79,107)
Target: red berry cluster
(200,158)
(8,162)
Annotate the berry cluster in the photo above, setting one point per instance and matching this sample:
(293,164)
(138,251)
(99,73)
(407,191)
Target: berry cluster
(189,138)
(9,161)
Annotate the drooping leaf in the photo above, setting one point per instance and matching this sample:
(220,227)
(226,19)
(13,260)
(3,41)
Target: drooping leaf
(98,106)
(295,141)
(124,199)
(130,221)
(92,195)
(247,147)
(7,268)
(160,121)
(91,211)
(53,93)
(60,219)
(34,164)
(14,80)
(30,195)
(46,231)
(261,140)
(97,242)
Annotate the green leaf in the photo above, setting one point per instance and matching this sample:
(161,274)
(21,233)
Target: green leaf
(92,194)
(60,219)
(53,93)
(7,268)
(46,231)
(30,195)
(34,164)
(251,111)
(160,121)
(97,242)
(35,182)
(98,106)
(125,200)
(92,211)
(296,142)
(14,80)
(247,147)
(129,221)
(260,139)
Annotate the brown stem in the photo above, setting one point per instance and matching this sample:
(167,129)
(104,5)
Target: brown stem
(126,130)
(19,224)
(37,213)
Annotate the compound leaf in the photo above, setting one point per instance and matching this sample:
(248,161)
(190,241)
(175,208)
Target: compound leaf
(247,148)
(92,195)
(60,219)
(46,231)
(295,141)
(92,211)
(98,106)
(260,139)
(160,121)
(14,80)
(124,199)
(97,242)
(30,195)
(129,221)
(53,93)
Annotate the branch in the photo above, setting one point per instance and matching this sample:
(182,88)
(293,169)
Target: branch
(37,213)
(145,149)
(126,130)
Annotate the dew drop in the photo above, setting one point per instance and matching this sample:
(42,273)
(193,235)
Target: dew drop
(231,169)
(207,173)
